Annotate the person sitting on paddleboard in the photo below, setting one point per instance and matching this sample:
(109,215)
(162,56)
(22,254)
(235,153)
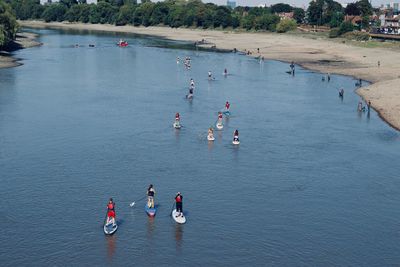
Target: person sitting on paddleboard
(236,135)
(227,106)
(178,204)
(111,210)
(150,196)
(211,132)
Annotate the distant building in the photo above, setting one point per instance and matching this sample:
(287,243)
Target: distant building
(231,4)
(45,2)
(285,15)
(389,25)
(91,2)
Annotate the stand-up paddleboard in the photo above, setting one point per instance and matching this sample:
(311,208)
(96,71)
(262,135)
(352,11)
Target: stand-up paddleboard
(110,227)
(210,137)
(219,126)
(150,211)
(227,113)
(235,142)
(181,219)
(177,125)
(189,96)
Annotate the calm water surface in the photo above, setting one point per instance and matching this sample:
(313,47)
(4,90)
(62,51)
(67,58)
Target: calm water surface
(313,183)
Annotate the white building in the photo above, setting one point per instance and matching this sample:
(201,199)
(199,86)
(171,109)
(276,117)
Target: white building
(45,2)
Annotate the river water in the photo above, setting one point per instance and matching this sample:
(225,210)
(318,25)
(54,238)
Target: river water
(313,182)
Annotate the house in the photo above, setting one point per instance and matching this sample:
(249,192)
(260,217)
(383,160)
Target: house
(285,15)
(389,25)
(355,20)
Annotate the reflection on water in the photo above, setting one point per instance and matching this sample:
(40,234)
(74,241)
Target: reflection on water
(179,236)
(111,246)
(150,227)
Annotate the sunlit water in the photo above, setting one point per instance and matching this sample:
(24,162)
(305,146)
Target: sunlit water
(313,183)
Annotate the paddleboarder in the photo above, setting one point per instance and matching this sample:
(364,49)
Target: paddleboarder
(236,136)
(179,204)
(227,106)
(150,196)
(111,210)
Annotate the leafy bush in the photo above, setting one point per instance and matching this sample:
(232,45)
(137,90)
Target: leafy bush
(358,36)
(54,12)
(334,33)
(286,25)
(345,26)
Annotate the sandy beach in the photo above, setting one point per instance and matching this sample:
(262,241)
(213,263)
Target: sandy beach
(23,40)
(316,54)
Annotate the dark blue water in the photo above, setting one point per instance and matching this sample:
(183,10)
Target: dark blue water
(313,183)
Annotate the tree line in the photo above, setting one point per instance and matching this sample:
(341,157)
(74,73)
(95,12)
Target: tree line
(180,13)
(173,13)
(8,24)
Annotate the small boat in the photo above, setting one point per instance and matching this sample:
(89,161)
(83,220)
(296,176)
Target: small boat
(219,126)
(177,125)
(122,43)
(236,142)
(110,226)
(150,211)
(181,219)
(210,137)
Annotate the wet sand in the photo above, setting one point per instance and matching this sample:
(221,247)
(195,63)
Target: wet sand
(316,54)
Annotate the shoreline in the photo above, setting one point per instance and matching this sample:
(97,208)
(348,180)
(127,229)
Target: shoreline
(22,41)
(322,55)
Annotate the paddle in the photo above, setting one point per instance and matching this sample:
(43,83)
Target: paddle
(134,202)
(172,208)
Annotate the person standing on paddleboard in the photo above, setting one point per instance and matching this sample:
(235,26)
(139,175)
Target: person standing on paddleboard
(177,117)
(236,135)
(220,117)
(111,210)
(150,196)
(179,204)
(227,106)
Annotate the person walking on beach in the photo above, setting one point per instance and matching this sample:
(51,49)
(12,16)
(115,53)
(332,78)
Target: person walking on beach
(179,204)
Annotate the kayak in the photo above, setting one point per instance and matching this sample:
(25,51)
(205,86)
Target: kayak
(177,125)
(110,227)
(179,219)
(210,138)
(150,211)
(235,142)
(219,126)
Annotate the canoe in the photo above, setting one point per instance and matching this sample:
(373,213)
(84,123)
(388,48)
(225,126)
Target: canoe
(180,219)
(150,211)
(110,228)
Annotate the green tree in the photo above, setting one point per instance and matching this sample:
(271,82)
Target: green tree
(8,24)
(286,25)
(54,12)
(299,14)
(281,7)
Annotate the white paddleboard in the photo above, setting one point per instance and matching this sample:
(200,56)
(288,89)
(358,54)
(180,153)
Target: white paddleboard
(177,125)
(219,126)
(210,138)
(235,142)
(180,219)
(110,228)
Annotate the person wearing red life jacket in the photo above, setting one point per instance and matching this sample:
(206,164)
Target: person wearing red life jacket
(111,211)
(227,105)
(177,117)
(179,204)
